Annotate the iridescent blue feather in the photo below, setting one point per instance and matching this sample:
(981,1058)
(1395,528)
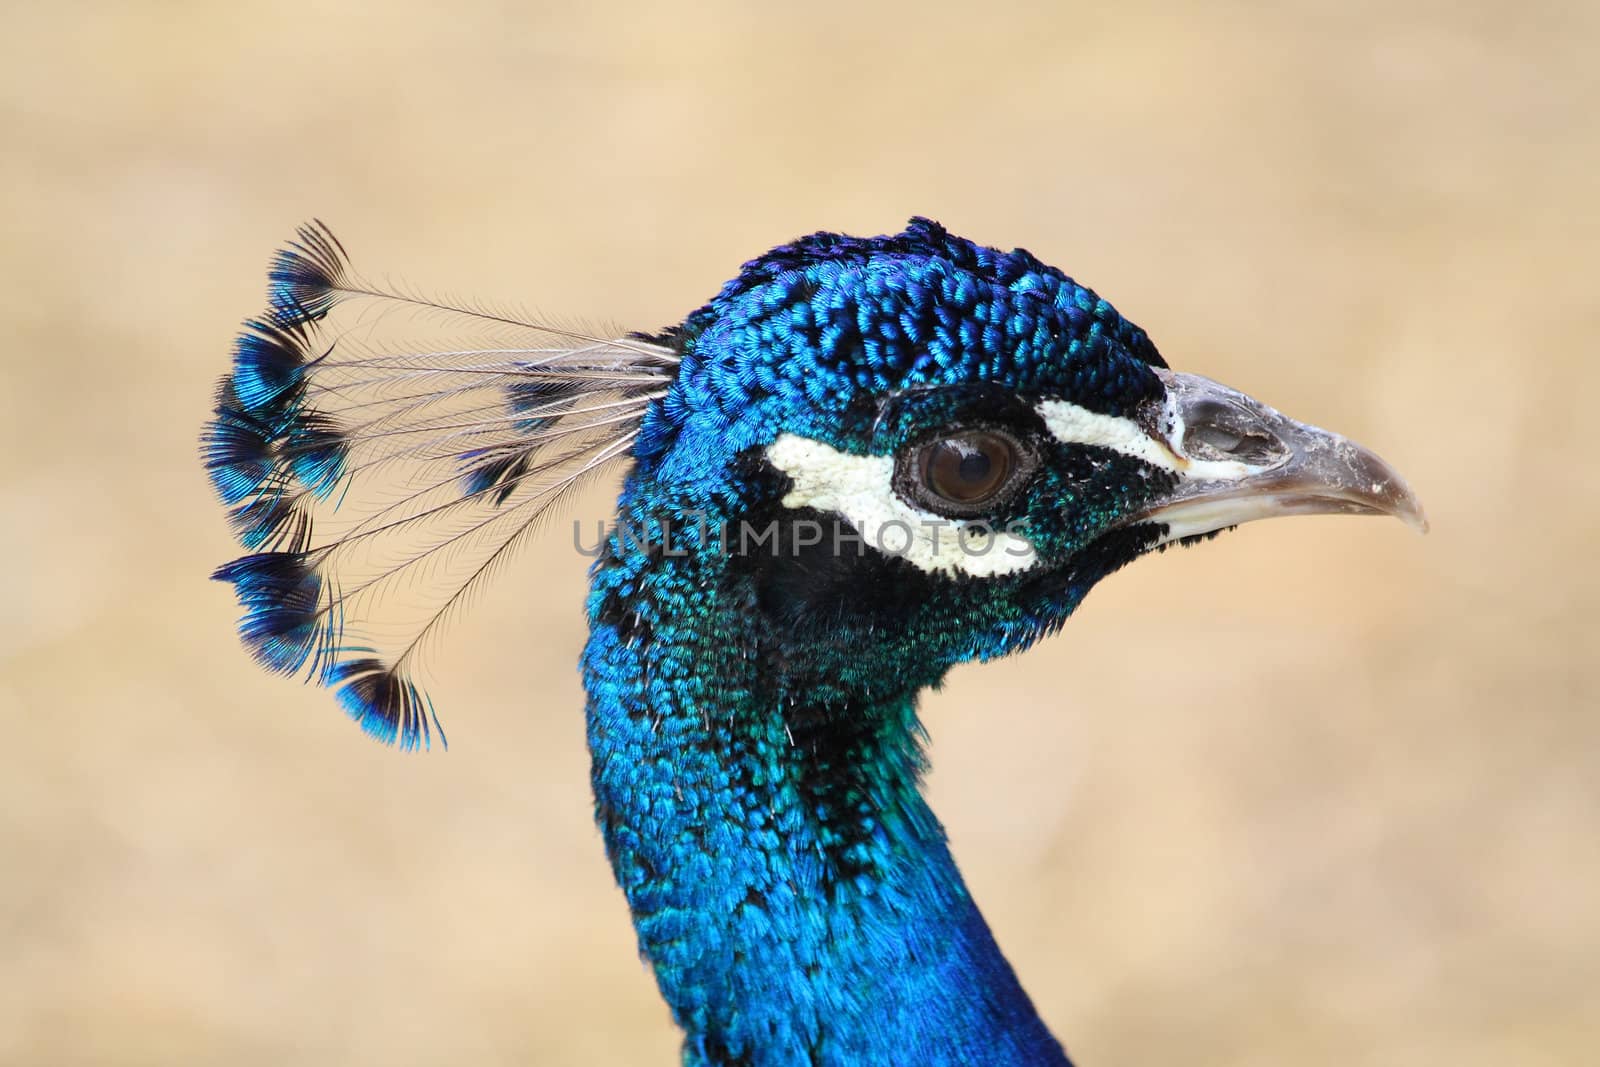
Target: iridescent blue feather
(238,452)
(316,449)
(269,364)
(388,707)
(283,625)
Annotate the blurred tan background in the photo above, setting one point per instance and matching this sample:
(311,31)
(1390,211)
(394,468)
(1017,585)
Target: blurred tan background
(1323,792)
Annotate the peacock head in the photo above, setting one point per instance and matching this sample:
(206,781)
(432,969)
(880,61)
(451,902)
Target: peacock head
(912,450)
(916,451)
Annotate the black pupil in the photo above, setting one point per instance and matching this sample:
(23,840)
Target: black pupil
(970,468)
(974,467)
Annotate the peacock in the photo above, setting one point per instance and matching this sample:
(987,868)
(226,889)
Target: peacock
(862,462)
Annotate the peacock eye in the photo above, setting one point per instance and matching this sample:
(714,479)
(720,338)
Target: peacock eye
(967,473)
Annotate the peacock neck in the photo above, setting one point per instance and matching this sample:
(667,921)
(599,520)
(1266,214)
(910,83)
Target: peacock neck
(788,882)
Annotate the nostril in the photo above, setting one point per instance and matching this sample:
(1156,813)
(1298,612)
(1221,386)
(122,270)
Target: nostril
(1215,438)
(1218,441)
(1215,424)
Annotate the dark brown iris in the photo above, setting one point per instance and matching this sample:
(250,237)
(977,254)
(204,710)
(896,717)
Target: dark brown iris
(968,469)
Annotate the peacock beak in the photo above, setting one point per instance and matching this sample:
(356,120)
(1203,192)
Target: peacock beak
(1238,460)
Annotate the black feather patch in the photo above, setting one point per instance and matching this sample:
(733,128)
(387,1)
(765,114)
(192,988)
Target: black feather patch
(501,473)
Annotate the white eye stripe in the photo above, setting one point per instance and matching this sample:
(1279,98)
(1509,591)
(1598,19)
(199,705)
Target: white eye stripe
(860,489)
(1074,425)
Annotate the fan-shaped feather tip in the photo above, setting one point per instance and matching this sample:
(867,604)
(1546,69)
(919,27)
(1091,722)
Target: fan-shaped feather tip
(283,624)
(305,278)
(269,363)
(272,520)
(238,453)
(316,449)
(387,705)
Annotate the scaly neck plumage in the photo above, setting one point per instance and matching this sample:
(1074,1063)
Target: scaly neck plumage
(788,882)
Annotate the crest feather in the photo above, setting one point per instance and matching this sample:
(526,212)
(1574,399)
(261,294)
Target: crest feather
(379,463)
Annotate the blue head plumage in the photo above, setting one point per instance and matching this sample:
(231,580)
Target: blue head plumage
(843,353)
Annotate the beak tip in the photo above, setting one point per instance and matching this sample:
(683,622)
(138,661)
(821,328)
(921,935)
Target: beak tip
(1402,502)
(1387,492)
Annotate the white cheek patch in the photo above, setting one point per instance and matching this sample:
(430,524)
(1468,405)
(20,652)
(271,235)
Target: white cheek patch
(1073,425)
(860,489)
